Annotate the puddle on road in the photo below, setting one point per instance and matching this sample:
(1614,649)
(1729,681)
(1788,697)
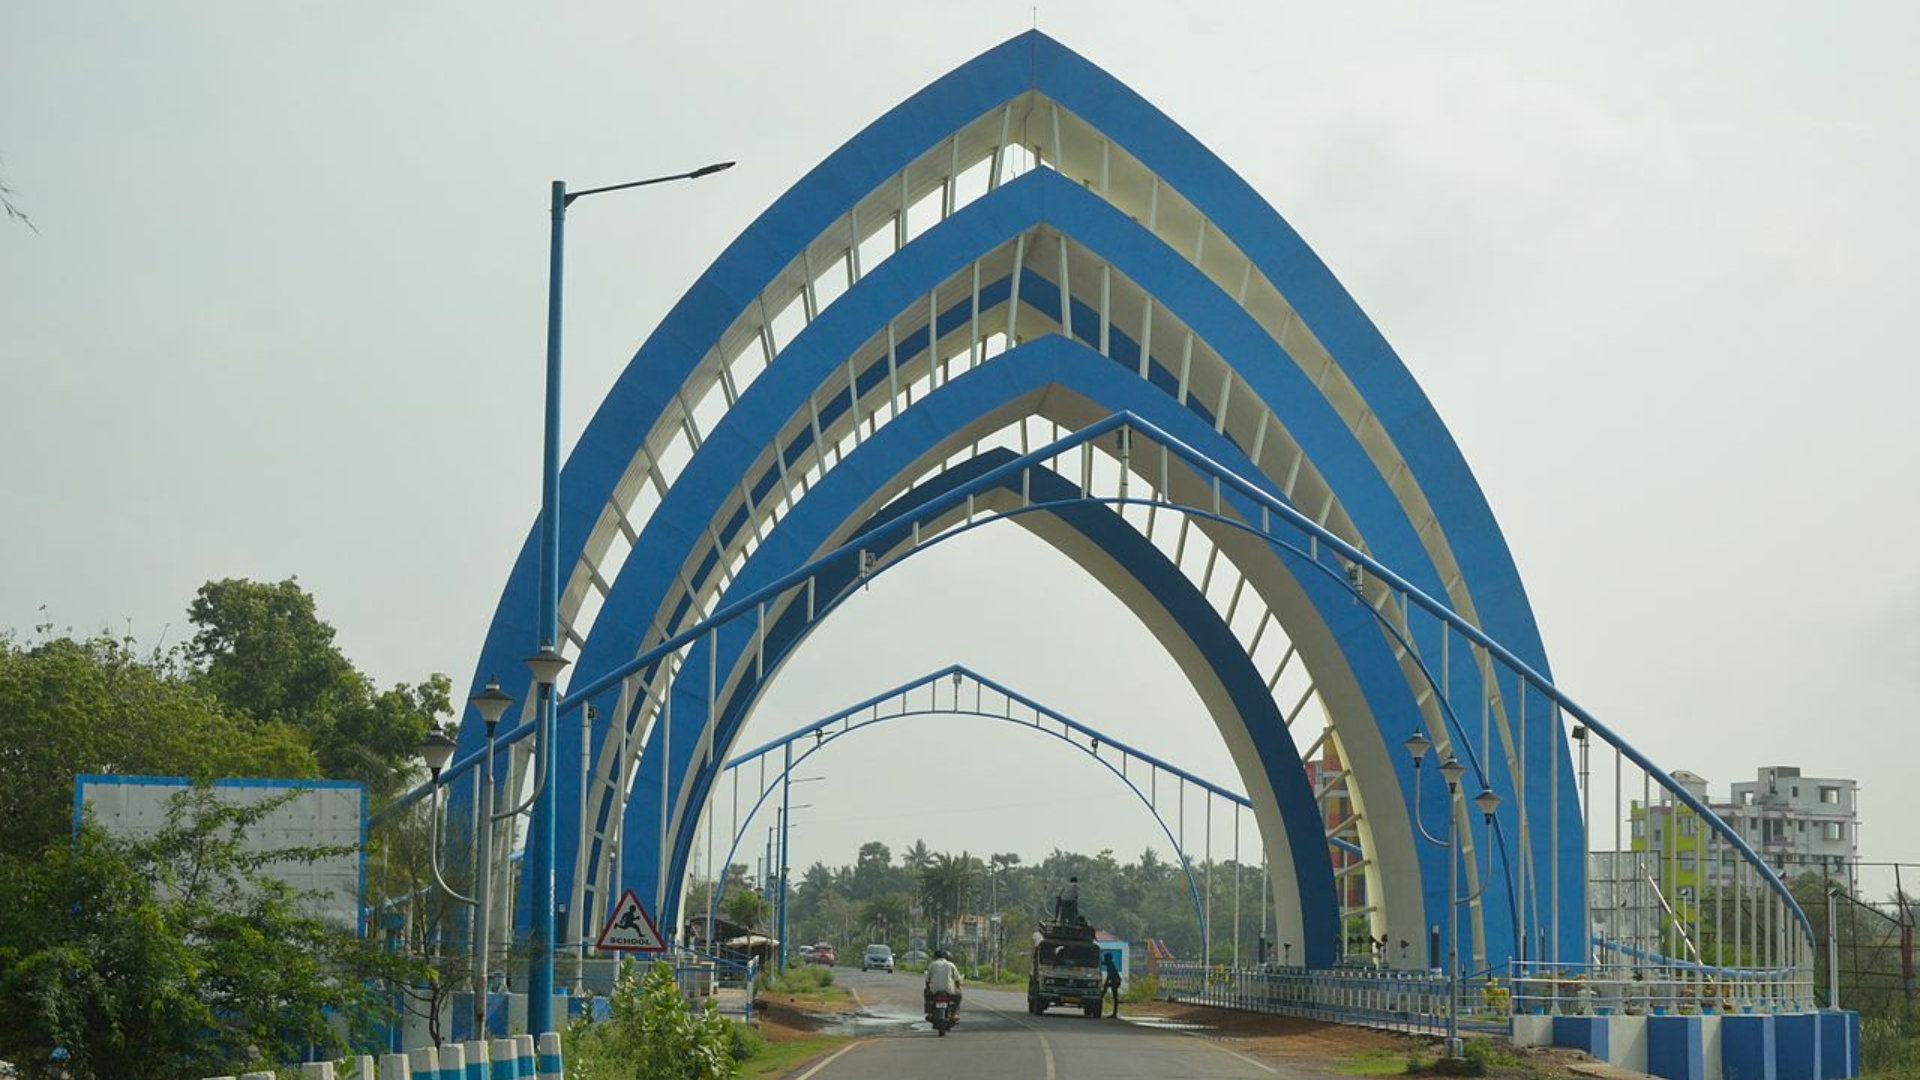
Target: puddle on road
(872,1022)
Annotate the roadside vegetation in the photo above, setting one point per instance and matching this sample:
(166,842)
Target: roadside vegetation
(983,911)
(175,955)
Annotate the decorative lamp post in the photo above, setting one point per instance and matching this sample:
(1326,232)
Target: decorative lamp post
(491,703)
(1451,771)
(546,666)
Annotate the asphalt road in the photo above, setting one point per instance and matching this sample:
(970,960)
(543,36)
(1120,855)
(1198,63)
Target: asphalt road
(996,1038)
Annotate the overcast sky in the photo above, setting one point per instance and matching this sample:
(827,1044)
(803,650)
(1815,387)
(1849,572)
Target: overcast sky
(283,315)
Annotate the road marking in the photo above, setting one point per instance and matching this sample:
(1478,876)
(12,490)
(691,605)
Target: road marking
(1256,1063)
(1046,1048)
(835,1056)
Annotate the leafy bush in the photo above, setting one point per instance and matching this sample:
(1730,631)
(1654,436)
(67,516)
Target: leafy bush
(748,1043)
(805,979)
(651,1033)
(1141,988)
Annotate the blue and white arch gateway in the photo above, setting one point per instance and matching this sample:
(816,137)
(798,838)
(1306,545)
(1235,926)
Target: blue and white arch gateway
(1026,297)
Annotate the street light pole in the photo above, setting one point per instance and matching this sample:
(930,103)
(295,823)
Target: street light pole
(540,833)
(490,703)
(786,806)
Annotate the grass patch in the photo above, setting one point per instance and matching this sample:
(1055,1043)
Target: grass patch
(1379,1063)
(780,1057)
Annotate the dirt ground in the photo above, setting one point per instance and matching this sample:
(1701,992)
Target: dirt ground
(786,1017)
(1319,1047)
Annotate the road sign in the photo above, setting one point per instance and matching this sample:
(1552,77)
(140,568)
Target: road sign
(631,929)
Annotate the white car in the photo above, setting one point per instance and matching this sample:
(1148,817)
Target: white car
(877,958)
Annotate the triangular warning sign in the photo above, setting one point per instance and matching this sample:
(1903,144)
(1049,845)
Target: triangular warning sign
(631,929)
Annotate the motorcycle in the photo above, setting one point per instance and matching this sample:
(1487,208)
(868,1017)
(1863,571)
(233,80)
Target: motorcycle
(940,1012)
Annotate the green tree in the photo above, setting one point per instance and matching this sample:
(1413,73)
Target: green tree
(944,885)
(263,650)
(69,707)
(175,956)
(885,917)
(872,871)
(744,907)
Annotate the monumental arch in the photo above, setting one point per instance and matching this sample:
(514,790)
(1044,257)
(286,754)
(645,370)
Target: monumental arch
(1023,250)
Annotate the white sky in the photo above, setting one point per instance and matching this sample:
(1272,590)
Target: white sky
(284,315)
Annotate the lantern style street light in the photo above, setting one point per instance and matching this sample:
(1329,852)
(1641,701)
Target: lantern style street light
(1486,802)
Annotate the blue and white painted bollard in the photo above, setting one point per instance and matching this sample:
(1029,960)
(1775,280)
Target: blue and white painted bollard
(506,1060)
(453,1062)
(394,1067)
(550,1064)
(363,1067)
(424,1063)
(477,1060)
(523,1049)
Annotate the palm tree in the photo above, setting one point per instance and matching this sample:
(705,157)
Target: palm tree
(944,884)
(916,857)
(885,915)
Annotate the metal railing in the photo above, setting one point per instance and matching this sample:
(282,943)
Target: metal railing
(1656,989)
(1405,1001)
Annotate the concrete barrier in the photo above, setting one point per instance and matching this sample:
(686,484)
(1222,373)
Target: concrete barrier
(477,1060)
(394,1067)
(549,1058)
(506,1060)
(1677,1047)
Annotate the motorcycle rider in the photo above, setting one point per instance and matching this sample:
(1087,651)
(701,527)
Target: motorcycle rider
(942,978)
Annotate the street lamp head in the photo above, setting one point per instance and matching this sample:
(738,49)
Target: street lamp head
(547,664)
(709,170)
(1487,801)
(436,750)
(491,704)
(1452,770)
(1418,744)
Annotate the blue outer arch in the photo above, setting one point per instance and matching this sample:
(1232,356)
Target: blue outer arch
(1029,61)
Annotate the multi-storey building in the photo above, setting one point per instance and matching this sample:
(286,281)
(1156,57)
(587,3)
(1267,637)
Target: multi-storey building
(1673,884)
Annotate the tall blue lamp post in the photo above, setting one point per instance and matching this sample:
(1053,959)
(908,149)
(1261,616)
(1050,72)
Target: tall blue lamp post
(548,662)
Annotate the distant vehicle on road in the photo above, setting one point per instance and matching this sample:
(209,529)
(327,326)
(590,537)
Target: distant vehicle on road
(822,954)
(877,958)
(806,954)
(1066,969)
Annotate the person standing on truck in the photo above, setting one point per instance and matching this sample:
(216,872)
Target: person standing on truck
(1066,907)
(942,978)
(1113,981)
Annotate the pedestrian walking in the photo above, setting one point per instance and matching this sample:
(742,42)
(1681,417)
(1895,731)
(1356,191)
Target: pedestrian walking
(1113,981)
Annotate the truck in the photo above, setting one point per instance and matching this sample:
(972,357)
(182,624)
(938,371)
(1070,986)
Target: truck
(1066,969)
